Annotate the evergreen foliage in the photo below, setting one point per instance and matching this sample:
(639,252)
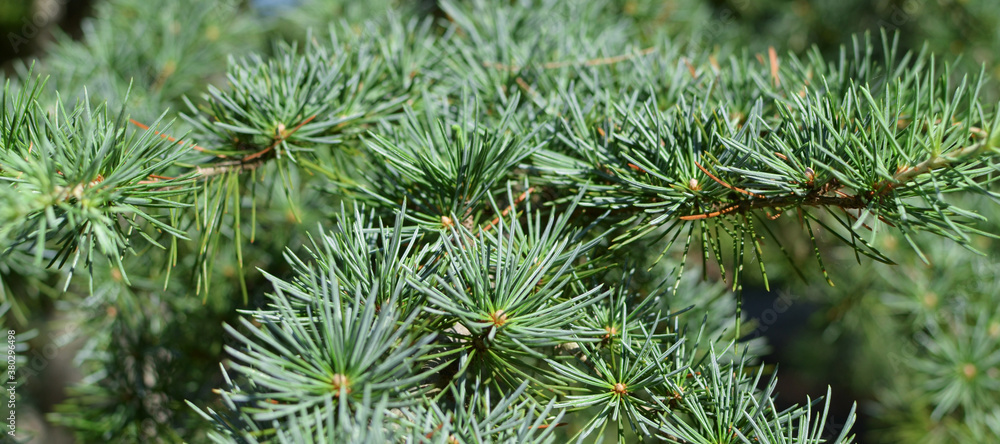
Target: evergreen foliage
(469,221)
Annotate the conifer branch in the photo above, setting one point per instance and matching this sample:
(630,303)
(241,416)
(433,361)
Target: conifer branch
(507,204)
(592,62)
